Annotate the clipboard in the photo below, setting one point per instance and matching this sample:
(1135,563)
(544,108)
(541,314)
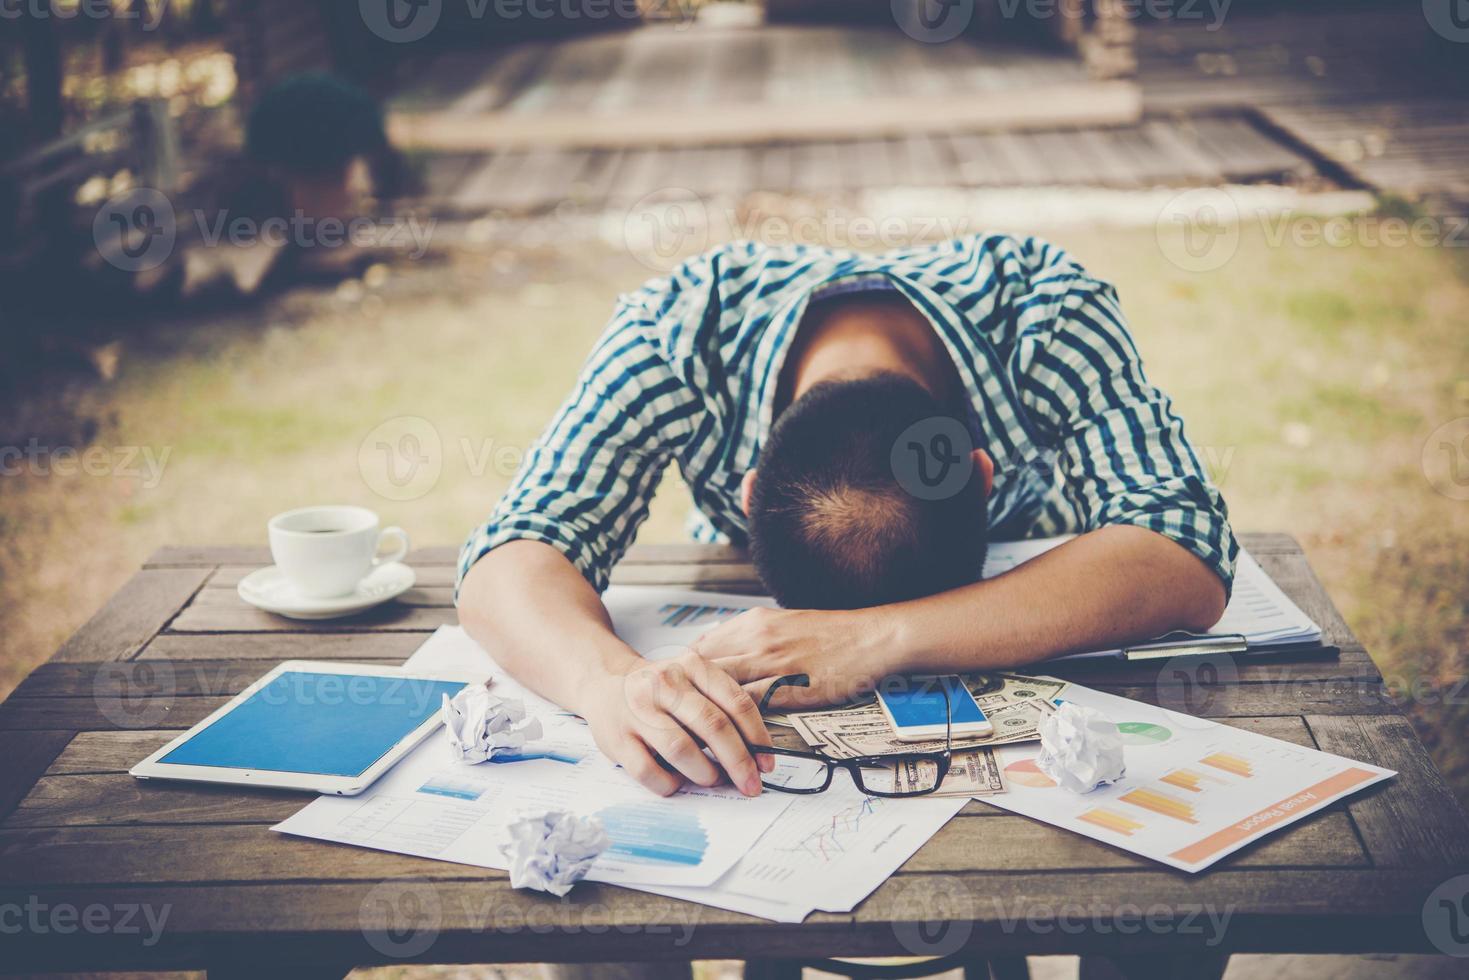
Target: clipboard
(1182,644)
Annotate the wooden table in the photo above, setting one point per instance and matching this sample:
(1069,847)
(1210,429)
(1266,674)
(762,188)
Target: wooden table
(87,853)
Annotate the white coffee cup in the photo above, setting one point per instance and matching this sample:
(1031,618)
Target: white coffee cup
(326,551)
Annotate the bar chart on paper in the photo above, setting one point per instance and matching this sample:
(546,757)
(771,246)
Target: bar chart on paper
(659,623)
(696,614)
(655,834)
(1193,791)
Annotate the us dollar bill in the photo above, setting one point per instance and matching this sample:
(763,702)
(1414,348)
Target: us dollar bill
(1015,710)
(973,773)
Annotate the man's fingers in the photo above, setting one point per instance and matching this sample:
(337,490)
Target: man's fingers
(638,761)
(743,667)
(725,691)
(679,751)
(730,698)
(742,710)
(707,721)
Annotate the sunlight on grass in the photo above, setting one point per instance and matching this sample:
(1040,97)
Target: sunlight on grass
(1310,379)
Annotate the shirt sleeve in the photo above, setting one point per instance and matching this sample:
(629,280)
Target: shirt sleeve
(1122,449)
(585,486)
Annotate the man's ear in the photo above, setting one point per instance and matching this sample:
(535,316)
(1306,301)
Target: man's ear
(747,487)
(986,470)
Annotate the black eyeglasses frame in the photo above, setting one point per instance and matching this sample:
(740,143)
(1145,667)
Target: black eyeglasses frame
(854,766)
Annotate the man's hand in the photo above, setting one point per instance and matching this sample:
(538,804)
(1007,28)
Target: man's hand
(844,652)
(1104,588)
(670,709)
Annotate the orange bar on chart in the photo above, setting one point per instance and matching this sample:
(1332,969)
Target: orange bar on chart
(1184,779)
(1309,799)
(1111,820)
(1229,763)
(1162,803)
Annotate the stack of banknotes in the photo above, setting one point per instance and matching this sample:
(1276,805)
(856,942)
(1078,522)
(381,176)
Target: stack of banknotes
(1013,703)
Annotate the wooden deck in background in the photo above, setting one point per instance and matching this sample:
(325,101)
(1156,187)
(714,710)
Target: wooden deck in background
(1167,152)
(1363,98)
(1376,94)
(662,68)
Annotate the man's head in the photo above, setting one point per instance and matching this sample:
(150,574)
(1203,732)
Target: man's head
(867,492)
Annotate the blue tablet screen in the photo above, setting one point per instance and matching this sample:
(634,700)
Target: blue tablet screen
(323,724)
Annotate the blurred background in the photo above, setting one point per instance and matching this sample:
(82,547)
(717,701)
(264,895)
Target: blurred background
(257,255)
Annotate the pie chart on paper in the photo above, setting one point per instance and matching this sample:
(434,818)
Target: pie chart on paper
(1142,733)
(1026,773)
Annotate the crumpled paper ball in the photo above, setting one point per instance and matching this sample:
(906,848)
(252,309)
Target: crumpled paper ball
(1080,748)
(481,725)
(552,851)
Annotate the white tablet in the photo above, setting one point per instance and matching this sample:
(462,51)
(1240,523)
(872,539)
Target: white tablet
(322,727)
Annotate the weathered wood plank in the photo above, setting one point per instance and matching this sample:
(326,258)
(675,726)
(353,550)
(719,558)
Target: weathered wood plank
(1413,820)
(130,618)
(101,714)
(144,855)
(107,752)
(483,920)
(149,678)
(1293,573)
(1349,664)
(1280,914)
(1045,105)
(221,611)
(282,646)
(189,556)
(1293,697)
(117,799)
(25,758)
(1260,543)
(256,556)
(424,576)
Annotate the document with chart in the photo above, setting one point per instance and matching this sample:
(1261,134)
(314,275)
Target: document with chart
(1258,611)
(1194,791)
(431,806)
(827,852)
(660,623)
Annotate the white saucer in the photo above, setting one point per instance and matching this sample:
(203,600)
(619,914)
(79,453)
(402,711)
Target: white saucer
(267,588)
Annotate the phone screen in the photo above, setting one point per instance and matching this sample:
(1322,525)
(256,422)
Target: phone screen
(921,704)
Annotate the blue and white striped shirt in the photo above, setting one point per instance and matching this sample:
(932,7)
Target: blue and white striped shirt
(687,371)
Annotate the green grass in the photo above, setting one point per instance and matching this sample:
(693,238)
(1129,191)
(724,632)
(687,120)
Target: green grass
(1310,379)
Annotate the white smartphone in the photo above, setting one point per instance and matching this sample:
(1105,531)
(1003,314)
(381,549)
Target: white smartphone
(916,709)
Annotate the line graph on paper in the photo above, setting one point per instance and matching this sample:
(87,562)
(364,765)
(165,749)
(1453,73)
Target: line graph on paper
(828,842)
(816,833)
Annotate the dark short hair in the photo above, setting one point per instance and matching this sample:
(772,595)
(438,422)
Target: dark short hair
(832,525)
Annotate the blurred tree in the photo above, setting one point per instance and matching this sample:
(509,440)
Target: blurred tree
(43,76)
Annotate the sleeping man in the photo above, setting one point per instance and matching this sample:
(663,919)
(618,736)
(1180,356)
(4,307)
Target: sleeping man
(864,424)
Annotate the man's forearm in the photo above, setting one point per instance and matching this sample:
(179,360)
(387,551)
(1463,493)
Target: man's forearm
(532,610)
(530,607)
(1116,585)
